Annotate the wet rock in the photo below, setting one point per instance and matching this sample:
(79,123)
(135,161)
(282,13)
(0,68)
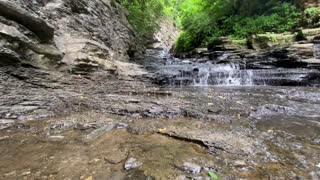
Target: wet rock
(4,124)
(272,109)
(99,132)
(21,126)
(154,112)
(190,168)
(83,126)
(122,126)
(315,175)
(136,116)
(132,163)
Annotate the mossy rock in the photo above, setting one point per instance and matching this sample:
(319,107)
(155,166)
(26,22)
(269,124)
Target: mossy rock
(309,34)
(270,40)
(227,43)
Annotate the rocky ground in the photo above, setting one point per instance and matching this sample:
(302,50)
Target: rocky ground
(62,126)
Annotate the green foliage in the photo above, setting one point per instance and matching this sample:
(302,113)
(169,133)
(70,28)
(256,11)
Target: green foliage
(206,20)
(185,42)
(144,15)
(312,16)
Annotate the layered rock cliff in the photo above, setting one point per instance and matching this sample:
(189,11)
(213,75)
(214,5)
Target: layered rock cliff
(72,35)
(53,53)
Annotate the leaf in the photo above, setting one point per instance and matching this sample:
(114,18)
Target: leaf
(213,175)
(162,130)
(89,178)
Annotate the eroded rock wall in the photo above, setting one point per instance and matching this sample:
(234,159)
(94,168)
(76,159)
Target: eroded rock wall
(73,35)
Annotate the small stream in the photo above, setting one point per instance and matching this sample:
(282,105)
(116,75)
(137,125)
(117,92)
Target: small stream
(281,98)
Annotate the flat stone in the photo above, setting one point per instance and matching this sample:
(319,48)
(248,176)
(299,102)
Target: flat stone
(4,123)
(132,163)
(56,138)
(116,157)
(99,132)
(240,164)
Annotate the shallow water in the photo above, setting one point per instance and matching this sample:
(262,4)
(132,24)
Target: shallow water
(293,109)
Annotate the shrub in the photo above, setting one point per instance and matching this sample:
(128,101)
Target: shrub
(312,16)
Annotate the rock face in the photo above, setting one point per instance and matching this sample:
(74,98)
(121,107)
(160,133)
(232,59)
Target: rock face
(166,36)
(311,3)
(78,36)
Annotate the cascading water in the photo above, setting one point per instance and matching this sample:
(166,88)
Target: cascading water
(222,75)
(188,73)
(316,51)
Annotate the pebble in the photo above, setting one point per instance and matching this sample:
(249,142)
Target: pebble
(191,168)
(122,126)
(56,138)
(132,163)
(240,164)
(270,131)
(26,173)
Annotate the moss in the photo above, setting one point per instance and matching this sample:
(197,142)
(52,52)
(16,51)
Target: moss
(311,33)
(269,40)
(240,42)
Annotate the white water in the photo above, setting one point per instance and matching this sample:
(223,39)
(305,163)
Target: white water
(188,73)
(223,75)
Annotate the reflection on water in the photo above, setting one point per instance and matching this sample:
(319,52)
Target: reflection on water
(293,109)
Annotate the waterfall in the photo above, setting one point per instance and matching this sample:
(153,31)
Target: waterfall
(222,75)
(206,74)
(189,73)
(316,51)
